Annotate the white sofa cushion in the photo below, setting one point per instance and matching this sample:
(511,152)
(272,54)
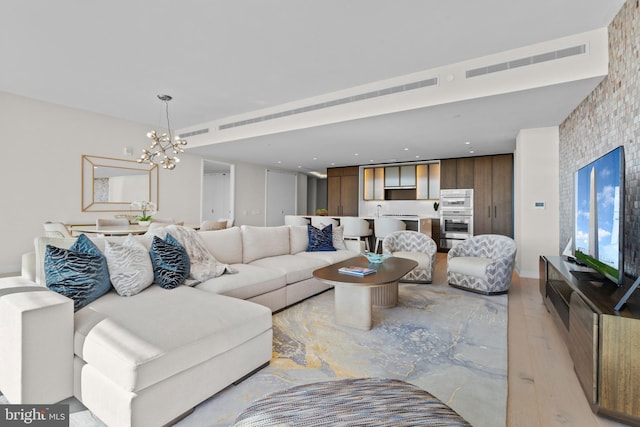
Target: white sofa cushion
(298,238)
(146,338)
(470,266)
(295,267)
(225,245)
(328,257)
(262,242)
(248,282)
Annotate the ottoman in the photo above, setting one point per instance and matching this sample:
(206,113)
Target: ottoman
(350,402)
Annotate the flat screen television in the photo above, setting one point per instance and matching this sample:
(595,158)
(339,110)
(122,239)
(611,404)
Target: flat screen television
(599,215)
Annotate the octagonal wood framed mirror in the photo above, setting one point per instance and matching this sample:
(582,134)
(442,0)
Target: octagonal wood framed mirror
(110,184)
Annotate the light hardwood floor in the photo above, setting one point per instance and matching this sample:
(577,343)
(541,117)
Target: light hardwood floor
(543,389)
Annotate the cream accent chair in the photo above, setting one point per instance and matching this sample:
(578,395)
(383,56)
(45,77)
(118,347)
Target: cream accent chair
(56,229)
(482,263)
(295,220)
(384,226)
(323,221)
(110,222)
(357,229)
(414,246)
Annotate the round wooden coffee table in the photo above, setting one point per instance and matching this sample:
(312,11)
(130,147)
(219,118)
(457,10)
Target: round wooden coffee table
(355,295)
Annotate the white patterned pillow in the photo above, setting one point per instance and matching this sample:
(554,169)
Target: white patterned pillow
(130,268)
(338,238)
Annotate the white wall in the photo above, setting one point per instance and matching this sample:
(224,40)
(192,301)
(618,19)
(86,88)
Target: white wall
(41,170)
(536,179)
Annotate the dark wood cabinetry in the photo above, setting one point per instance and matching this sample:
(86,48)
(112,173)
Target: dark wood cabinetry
(603,343)
(493,195)
(491,178)
(456,173)
(342,191)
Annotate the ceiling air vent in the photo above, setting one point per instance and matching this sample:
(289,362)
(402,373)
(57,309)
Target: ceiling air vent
(523,62)
(194,133)
(354,98)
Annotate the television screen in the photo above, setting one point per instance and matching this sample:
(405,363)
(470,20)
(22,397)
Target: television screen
(599,216)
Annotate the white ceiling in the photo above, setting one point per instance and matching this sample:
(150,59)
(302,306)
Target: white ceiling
(221,58)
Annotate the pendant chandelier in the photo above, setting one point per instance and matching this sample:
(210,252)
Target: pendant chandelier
(163,148)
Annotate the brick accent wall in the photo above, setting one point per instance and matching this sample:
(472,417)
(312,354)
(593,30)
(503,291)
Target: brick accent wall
(607,118)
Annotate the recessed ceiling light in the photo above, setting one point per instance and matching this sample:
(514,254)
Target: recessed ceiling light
(279,161)
(315,158)
(417,157)
(406,149)
(471,151)
(333,164)
(468,143)
(356,154)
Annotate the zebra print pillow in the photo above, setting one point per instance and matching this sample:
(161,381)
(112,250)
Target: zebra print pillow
(171,264)
(130,266)
(79,273)
(320,240)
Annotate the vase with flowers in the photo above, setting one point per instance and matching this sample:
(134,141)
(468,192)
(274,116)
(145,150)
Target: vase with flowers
(147,208)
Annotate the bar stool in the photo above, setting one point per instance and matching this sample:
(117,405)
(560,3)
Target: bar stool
(384,226)
(357,229)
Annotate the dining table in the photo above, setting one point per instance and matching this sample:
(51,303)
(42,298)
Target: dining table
(111,230)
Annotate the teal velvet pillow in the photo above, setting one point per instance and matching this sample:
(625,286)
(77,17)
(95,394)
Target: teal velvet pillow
(170,260)
(79,273)
(320,239)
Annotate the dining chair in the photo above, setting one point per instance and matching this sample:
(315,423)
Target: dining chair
(164,220)
(208,225)
(56,229)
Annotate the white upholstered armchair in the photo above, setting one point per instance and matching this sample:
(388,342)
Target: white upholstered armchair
(482,264)
(415,246)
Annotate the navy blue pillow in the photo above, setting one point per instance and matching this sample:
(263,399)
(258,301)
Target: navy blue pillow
(320,240)
(170,260)
(79,273)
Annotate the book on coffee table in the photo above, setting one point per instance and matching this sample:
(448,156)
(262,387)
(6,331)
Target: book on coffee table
(356,271)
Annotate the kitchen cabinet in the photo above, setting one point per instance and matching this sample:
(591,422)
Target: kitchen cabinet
(373,183)
(493,195)
(342,191)
(457,173)
(402,176)
(428,181)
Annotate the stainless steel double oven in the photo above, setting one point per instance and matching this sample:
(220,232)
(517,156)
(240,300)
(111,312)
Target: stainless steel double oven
(456,216)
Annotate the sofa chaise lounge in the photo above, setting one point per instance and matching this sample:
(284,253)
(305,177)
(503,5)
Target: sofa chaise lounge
(144,360)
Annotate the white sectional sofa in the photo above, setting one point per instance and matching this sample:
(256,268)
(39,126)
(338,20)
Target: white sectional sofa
(144,360)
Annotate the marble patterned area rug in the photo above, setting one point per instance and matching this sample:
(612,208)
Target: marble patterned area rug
(446,341)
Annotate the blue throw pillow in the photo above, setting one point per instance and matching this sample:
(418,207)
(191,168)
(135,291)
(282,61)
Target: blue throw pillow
(171,264)
(79,273)
(320,240)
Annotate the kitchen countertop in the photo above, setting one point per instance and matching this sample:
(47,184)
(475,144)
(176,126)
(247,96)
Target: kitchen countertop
(405,217)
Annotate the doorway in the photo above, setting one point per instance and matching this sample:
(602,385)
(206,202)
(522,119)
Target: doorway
(218,183)
(280,196)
